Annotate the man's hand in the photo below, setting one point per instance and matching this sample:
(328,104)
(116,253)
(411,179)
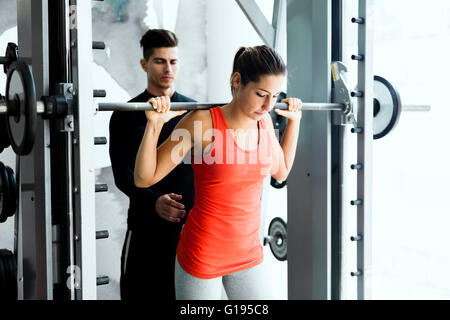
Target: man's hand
(168,208)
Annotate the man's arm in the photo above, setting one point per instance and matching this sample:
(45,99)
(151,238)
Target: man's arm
(123,145)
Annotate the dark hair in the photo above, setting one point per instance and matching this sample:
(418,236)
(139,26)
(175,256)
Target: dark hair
(157,38)
(254,62)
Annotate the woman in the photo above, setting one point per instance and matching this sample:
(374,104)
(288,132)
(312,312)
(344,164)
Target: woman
(233,147)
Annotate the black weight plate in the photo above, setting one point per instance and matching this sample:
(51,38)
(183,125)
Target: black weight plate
(4,193)
(14,284)
(21,126)
(278,230)
(4,138)
(3,279)
(9,264)
(12,274)
(388,107)
(13,192)
(7,272)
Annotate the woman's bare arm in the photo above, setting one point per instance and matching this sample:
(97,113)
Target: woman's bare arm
(283,153)
(152,163)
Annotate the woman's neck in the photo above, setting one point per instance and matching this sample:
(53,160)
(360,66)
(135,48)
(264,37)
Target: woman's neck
(236,118)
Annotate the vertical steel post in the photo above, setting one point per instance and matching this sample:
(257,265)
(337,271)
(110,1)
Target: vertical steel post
(279,23)
(33,230)
(61,155)
(338,144)
(309,184)
(83,164)
(365,140)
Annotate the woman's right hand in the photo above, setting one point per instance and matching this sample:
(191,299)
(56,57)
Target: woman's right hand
(162,112)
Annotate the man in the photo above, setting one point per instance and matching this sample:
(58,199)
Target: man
(156,214)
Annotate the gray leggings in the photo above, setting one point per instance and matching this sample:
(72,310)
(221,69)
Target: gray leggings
(249,284)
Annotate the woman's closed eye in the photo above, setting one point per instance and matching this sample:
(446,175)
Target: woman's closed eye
(265,95)
(261,95)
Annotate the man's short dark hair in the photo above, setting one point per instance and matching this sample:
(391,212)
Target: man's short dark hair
(157,38)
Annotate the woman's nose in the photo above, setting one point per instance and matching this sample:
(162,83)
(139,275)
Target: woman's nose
(268,103)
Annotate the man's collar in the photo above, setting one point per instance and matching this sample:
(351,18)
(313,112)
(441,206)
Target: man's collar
(151,95)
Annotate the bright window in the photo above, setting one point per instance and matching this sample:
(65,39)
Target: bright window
(411,177)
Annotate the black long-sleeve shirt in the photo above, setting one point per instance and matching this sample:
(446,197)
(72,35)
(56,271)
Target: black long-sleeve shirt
(126,130)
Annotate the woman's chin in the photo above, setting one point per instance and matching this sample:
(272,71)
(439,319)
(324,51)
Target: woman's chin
(258,115)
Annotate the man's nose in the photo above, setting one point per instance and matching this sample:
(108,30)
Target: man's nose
(168,68)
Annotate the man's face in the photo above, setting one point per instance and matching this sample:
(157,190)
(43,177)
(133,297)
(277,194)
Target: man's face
(161,67)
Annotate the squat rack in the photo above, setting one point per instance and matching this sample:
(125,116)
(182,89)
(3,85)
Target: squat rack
(50,242)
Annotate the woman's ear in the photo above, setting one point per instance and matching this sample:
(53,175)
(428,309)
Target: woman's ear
(236,80)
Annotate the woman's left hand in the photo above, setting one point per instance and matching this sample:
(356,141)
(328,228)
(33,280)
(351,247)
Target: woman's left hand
(294,111)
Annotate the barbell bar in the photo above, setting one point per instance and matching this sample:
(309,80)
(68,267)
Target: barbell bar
(21,107)
(40,107)
(416,108)
(142,106)
(176,106)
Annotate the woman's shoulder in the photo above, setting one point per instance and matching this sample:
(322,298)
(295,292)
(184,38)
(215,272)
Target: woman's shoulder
(204,116)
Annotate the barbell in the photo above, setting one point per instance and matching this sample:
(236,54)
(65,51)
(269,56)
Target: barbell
(8,193)
(20,108)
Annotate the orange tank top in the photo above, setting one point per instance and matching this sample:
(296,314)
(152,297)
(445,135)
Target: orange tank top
(221,233)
